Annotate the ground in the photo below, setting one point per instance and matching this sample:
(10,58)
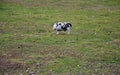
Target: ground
(28,41)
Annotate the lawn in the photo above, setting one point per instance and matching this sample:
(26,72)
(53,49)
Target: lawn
(28,41)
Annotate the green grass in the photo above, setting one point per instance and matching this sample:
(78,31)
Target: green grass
(27,38)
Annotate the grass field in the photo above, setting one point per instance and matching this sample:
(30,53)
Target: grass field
(27,38)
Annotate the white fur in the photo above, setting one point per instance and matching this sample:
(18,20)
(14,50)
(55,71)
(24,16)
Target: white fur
(69,29)
(59,27)
(54,26)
